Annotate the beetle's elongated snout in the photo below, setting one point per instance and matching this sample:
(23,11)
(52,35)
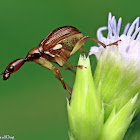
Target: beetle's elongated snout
(13,67)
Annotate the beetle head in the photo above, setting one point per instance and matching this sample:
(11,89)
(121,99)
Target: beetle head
(13,67)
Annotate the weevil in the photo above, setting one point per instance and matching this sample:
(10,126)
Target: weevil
(57,47)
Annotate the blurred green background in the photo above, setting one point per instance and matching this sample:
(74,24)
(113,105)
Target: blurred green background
(32,101)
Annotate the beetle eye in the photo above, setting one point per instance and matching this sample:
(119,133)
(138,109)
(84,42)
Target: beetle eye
(11,69)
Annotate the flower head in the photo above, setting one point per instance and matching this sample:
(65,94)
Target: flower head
(117,73)
(129,46)
(103,107)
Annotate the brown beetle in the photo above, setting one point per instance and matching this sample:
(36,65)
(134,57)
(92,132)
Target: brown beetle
(57,47)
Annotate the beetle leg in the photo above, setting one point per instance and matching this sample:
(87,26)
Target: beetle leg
(84,38)
(82,41)
(83,51)
(76,66)
(65,67)
(45,63)
(59,77)
(114,43)
(78,45)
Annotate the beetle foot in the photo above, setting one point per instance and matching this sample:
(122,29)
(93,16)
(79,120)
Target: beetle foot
(80,66)
(114,43)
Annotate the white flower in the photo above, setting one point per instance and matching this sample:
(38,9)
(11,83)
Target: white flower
(129,46)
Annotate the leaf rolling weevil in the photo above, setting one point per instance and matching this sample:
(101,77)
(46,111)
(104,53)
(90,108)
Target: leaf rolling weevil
(57,47)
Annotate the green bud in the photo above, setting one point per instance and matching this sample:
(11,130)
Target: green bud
(85,113)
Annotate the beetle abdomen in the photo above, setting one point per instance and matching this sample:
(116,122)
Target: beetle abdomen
(59,34)
(70,42)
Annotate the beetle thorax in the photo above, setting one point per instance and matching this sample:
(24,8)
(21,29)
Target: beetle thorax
(34,53)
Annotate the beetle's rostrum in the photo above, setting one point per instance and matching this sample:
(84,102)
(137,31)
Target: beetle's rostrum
(13,67)
(57,47)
